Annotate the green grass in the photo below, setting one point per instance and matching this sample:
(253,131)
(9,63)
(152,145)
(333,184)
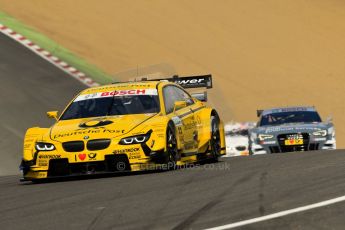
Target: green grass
(57,50)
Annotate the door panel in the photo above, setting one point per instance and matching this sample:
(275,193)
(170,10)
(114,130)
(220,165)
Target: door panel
(188,128)
(184,119)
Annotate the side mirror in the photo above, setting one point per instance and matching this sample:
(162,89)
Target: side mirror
(179,105)
(200,96)
(52,114)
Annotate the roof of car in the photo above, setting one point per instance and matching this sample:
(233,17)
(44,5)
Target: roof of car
(289,109)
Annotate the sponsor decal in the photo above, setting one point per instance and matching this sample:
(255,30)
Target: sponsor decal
(82,156)
(118,86)
(294,136)
(198,120)
(116,93)
(190,81)
(268,142)
(284,110)
(284,129)
(95,123)
(159,130)
(191,125)
(135,155)
(294,142)
(49,157)
(90,131)
(193,81)
(41,174)
(130,150)
(92,156)
(124,92)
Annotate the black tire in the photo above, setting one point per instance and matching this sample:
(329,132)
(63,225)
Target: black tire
(215,141)
(172,150)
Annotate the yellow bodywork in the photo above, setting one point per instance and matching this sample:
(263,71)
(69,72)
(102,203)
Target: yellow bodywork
(192,132)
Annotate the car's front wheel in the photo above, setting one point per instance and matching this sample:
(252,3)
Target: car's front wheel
(172,150)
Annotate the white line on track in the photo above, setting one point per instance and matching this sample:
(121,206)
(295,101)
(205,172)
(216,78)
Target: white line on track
(279,214)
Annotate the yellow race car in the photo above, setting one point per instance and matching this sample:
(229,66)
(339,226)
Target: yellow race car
(129,126)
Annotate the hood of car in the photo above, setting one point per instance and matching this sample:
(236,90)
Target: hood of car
(293,128)
(96,128)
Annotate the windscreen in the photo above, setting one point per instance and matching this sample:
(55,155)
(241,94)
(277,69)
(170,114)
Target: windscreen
(114,103)
(237,132)
(290,117)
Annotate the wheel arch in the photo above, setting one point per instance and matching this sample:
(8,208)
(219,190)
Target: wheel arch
(205,134)
(178,138)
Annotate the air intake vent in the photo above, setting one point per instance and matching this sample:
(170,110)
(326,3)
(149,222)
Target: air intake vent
(73,146)
(98,144)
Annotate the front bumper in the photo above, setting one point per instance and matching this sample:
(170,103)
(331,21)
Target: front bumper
(310,144)
(59,163)
(232,151)
(62,167)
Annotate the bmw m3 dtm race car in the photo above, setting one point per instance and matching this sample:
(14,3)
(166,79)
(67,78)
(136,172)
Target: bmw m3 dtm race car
(129,126)
(236,138)
(291,129)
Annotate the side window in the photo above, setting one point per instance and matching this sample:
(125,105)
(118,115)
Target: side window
(183,96)
(172,94)
(169,98)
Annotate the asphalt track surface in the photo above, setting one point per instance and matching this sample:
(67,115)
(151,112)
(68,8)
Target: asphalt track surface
(210,195)
(29,87)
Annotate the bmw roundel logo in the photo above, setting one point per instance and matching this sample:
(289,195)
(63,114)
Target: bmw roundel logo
(86,137)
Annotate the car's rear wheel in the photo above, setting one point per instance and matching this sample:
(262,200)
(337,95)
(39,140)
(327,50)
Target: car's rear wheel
(215,141)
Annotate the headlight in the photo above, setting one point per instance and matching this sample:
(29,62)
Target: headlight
(321,133)
(331,131)
(263,137)
(135,139)
(40,146)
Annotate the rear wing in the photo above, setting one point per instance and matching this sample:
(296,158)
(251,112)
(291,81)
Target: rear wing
(188,82)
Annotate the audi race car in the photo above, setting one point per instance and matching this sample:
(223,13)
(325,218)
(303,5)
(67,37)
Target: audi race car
(291,129)
(130,126)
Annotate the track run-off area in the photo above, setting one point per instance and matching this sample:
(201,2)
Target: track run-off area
(200,197)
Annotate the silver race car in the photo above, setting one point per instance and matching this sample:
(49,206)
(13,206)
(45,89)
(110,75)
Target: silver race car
(291,129)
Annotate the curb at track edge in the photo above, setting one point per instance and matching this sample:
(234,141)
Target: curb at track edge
(67,68)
